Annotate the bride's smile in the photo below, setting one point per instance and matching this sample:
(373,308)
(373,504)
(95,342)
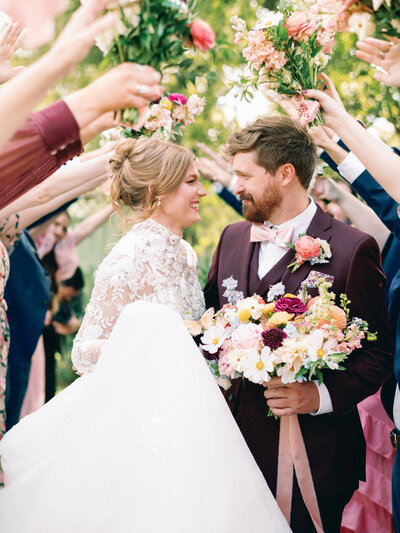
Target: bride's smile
(180,209)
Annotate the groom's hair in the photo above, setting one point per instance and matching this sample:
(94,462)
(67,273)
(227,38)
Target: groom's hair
(276,141)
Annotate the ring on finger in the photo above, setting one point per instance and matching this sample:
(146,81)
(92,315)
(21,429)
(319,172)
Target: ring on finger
(142,89)
(381,54)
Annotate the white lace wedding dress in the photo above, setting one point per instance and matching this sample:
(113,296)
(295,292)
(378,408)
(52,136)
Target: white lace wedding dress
(143,442)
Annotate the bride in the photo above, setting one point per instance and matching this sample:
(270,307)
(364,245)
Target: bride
(143,441)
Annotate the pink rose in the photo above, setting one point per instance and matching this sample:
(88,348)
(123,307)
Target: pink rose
(246,336)
(202,34)
(307,247)
(177,98)
(223,361)
(301,25)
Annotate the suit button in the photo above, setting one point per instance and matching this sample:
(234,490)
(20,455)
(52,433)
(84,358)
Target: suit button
(45,303)
(230,397)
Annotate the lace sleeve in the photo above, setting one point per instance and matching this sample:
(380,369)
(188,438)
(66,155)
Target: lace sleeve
(114,288)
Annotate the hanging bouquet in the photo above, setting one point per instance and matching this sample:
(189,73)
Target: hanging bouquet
(371,17)
(156,33)
(292,337)
(169,116)
(286,52)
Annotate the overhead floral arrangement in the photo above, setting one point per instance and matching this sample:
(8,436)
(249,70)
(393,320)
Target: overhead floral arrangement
(158,33)
(169,116)
(286,51)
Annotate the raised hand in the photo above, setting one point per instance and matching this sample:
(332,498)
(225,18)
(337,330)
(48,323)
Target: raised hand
(127,85)
(10,40)
(221,160)
(212,171)
(76,39)
(384,54)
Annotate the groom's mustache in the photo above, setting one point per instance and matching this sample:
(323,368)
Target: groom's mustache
(246,197)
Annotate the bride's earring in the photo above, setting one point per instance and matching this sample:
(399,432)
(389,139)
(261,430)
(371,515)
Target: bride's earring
(158,202)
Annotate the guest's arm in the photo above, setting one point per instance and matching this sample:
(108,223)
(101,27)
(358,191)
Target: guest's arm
(90,224)
(354,172)
(72,180)
(21,94)
(377,158)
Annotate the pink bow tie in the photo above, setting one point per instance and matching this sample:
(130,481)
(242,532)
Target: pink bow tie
(260,232)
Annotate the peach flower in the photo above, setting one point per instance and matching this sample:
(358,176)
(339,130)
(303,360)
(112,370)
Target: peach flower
(307,247)
(202,34)
(301,25)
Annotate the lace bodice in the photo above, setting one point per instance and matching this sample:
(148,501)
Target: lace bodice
(149,263)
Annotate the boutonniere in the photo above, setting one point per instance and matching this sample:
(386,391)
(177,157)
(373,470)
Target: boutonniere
(309,249)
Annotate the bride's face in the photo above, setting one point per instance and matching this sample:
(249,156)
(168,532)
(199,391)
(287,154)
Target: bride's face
(181,208)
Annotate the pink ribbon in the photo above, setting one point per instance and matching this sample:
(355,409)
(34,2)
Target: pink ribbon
(260,232)
(292,453)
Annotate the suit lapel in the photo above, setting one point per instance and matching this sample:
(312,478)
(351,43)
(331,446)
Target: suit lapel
(243,260)
(319,227)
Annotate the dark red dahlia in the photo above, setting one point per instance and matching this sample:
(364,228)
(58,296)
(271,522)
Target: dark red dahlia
(291,305)
(273,338)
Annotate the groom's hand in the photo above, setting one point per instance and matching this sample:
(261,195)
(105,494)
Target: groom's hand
(293,398)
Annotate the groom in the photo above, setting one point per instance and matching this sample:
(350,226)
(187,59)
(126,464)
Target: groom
(274,160)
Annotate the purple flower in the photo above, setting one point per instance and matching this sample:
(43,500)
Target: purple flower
(273,338)
(291,305)
(209,356)
(177,98)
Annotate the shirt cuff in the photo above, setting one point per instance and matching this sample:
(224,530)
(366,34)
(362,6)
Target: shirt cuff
(232,184)
(325,402)
(217,186)
(335,138)
(351,168)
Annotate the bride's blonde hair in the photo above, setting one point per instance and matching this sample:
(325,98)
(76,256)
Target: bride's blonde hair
(143,171)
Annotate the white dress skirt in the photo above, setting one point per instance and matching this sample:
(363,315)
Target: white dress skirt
(145,443)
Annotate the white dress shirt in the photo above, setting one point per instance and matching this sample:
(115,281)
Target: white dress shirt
(270,254)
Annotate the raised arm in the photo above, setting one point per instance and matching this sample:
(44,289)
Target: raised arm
(378,159)
(90,224)
(20,96)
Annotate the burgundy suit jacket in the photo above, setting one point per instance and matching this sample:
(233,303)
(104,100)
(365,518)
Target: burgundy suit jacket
(335,441)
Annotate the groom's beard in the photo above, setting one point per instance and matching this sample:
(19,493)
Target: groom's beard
(262,210)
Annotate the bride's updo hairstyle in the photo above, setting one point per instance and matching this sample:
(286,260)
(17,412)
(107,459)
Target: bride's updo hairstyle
(143,171)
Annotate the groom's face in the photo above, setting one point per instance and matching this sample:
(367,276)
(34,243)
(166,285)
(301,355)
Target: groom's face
(259,190)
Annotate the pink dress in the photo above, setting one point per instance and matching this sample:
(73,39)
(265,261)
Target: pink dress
(35,393)
(370,509)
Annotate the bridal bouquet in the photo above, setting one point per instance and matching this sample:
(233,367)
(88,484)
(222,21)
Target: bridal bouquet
(155,33)
(286,52)
(292,337)
(169,116)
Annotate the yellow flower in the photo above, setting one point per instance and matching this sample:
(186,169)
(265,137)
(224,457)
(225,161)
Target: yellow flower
(281,317)
(289,295)
(244,315)
(268,308)
(166,104)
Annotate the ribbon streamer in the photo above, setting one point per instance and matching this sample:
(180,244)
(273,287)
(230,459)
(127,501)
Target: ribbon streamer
(292,453)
